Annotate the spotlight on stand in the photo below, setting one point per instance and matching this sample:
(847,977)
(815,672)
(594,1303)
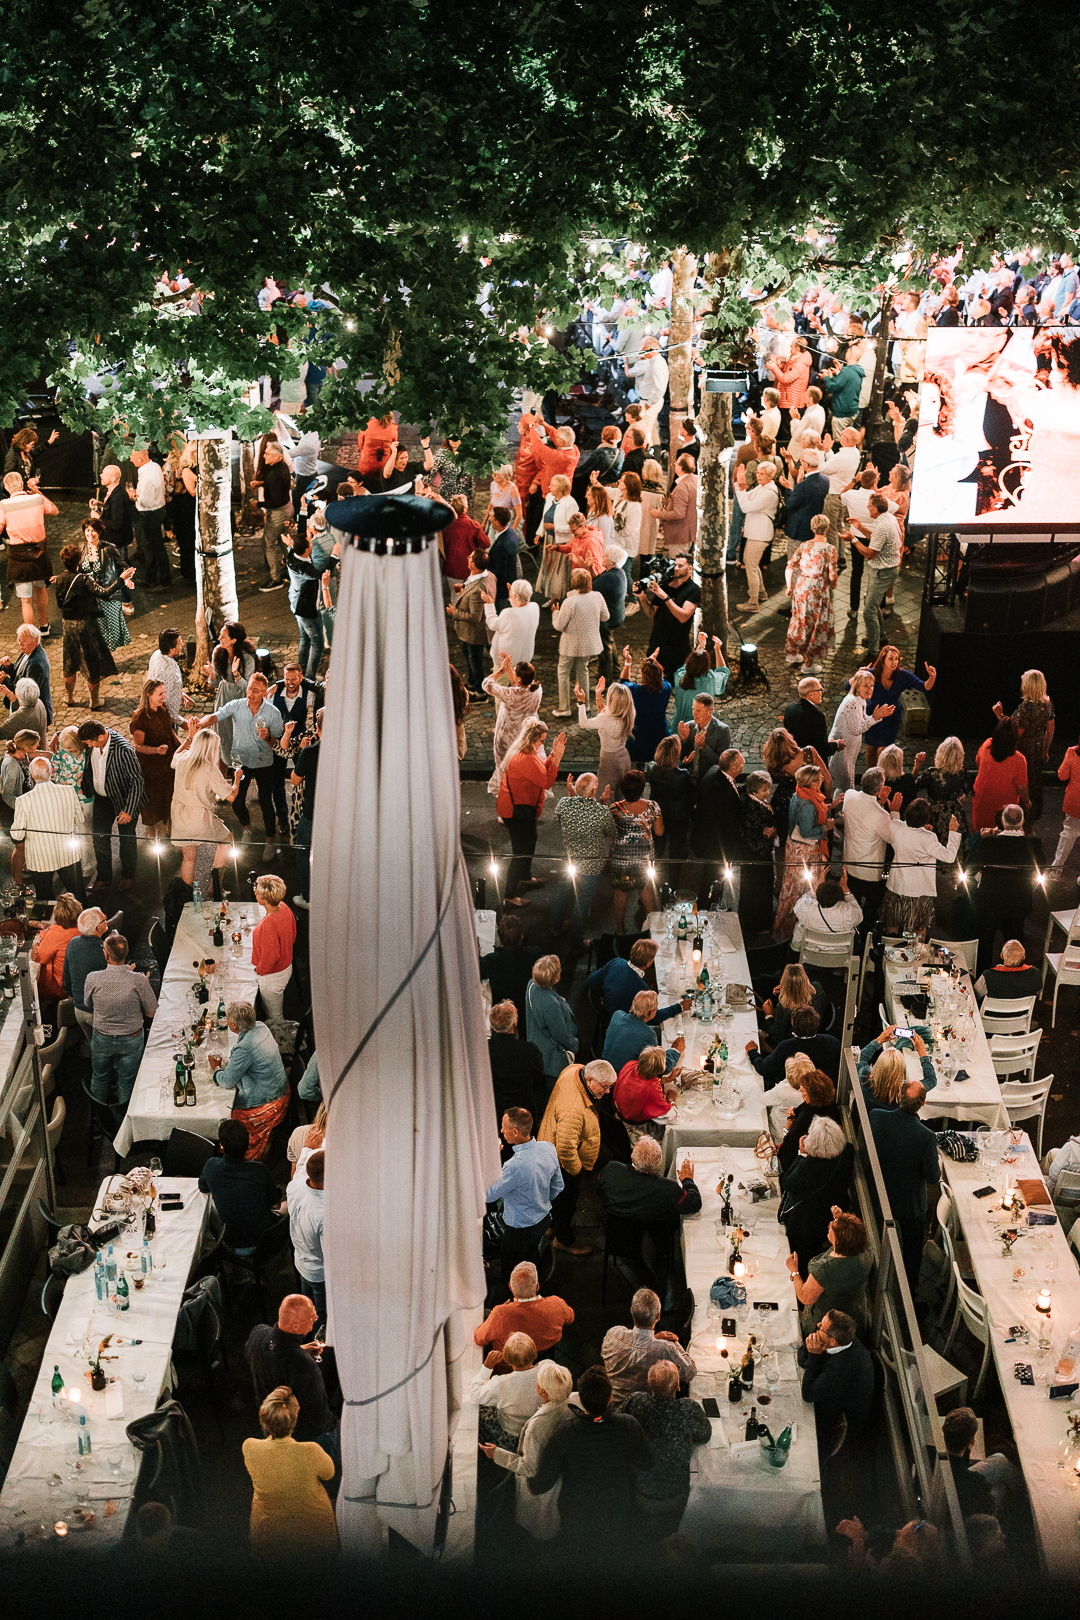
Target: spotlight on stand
(750,670)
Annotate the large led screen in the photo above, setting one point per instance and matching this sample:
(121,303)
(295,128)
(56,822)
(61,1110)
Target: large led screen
(999,429)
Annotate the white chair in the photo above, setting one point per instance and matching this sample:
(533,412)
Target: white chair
(959,1263)
(974,1315)
(1064,964)
(967,948)
(1007,1017)
(1057,919)
(1013,1056)
(1067,1193)
(826,950)
(1074,1239)
(867,966)
(1028,1102)
(945,1379)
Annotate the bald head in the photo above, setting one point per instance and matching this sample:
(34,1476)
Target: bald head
(848,438)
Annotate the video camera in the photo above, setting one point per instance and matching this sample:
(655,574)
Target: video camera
(662,569)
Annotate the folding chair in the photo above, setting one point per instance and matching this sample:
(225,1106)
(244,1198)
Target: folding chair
(973,1312)
(967,948)
(826,950)
(1064,964)
(1028,1102)
(1012,1016)
(1013,1056)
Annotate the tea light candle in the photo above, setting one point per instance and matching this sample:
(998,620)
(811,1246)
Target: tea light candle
(721,1344)
(74,1394)
(1042,1303)
(60,1527)
(738,1269)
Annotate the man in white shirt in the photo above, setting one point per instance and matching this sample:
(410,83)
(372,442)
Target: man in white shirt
(305,1199)
(856,506)
(47,831)
(867,826)
(839,467)
(163,667)
(650,377)
(883,550)
(808,425)
(514,629)
(150,505)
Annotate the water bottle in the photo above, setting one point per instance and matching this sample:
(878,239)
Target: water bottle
(84,1436)
(196,898)
(122,1293)
(110,1269)
(99,1275)
(57,1380)
(146,1258)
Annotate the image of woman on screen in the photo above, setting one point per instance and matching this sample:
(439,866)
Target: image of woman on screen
(1051,486)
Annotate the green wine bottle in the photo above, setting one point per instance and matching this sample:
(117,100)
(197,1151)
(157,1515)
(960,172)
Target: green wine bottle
(57,1381)
(122,1292)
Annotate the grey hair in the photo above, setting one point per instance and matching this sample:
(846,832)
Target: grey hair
(585,780)
(27,692)
(806,683)
(525,1272)
(30,630)
(242,1014)
(521,589)
(554,1381)
(808,457)
(40,768)
(645,999)
(647,1155)
(600,1071)
(891,761)
(873,780)
(90,920)
(825,1138)
(1011,815)
(612,555)
(949,756)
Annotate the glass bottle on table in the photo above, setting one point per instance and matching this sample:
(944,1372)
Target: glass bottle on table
(747,1368)
(178,1083)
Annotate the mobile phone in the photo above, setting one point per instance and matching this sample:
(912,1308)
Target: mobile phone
(728,1327)
(1022,1372)
(902,1034)
(982,1192)
(1062,1392)
(709,1407)
(808,755)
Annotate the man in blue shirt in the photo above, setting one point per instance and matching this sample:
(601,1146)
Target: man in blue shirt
(85,955)
(254,1065)
(256,723)
(629,1033)
(530,1182)
(244,1192)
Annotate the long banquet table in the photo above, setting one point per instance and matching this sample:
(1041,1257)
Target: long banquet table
(47,1447)
(976,1098)
(151,1114)
(696,1123)
(1039,1425)
(740,1507)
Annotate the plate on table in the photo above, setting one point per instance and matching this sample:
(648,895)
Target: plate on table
(896,953)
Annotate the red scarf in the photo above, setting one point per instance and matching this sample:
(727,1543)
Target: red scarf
(815,797)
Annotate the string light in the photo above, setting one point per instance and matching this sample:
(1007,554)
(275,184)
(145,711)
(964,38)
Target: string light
(806,875)
(728,874)
(571,870)
(73,843)
(963,878)
(157,848)
(494,868)
(650,872)
(234,852)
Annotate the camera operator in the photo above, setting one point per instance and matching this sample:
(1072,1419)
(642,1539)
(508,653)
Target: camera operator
(669,601)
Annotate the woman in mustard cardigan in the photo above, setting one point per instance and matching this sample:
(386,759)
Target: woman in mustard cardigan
(291,1514)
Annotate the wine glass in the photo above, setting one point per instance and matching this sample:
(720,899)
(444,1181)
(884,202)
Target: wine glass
(772,1372)
(155,1167)
(1065,1453)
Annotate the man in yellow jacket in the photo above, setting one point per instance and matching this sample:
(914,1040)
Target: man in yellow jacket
(571,1122)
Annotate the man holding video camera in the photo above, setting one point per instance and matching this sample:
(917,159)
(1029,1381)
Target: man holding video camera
(669,598)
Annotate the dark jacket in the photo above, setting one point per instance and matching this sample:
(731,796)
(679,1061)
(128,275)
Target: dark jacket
(805,500)
(717,742)
(716,831)
(274,1358)
(617,983)
(85,954)
(634,1196)
(611,585)
(502,562)
(841,1386)
(822,1050)
(517,1069)
(1007,884)
(124,785)
(509,972)
(805,1115)
(1008,984)
(756,817)
(244,1194)
(595,1462)
(807,724)
(674,792)
(116,520)
(808,1191)
(35,667)
(907,1153)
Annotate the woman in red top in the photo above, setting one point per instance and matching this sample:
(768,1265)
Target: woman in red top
(272,944)
(528,776)
(586,546)
(1002,777)
(377,444)
(51,945)
(1069,773)
(461,537)
(639,1093)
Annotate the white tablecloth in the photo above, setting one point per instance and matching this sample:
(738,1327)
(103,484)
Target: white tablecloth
(46,1449)
(977,1097)
(1039,1425)
(739,1506)
(147,1119)
(674,972)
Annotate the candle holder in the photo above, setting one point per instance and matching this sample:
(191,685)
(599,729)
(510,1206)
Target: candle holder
(1042,1302)
(736,1264)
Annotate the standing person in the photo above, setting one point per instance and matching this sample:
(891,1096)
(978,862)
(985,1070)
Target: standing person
(679,519)
(559,457)
(1001,778)
(911,886)
(560,506)
(84,955)
(850,723)
(31,664)
(462,536)
(578,620)
(549,1022)
(807,847)
(600,509)
(805,500)
(516,703)
(505,497)
(276,485)
(811,580)
(528,1186)
(199,786)
(632,871)
(586,545)
(67,764)
(882,553)
(856,506)
(1007,864)
(118,999)
(305,579)
(154,737)
(605,461)
(513,631)
(15,771)
(163,667)
(571,1122)
(908,1155)
(28,713)
(304,776)
(528,776)
(503,555)
(758,840)
(104,566)
(295,697)
(47,831)
(587,829)
(706,670)
(839,467)
(759,506)
(376,447)
(673,1430)
(272,942)
(150,505)
(443,471)
(890,683)
(649,373)
(627,516)
(611,584)
(254,722)
(594,1455)
(22,520)
(651,694)
(254,1070)
(867,830)
(1033,718)
(111,772)
(671,609)
(292,1517)
(182,503)
(615,719)
(467,613)
(672,787)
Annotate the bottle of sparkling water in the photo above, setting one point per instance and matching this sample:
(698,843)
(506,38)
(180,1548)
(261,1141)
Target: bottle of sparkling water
(196,898)
(99,1275)
(84,1436)
(122,1293)
(110,1269)
(146,1257)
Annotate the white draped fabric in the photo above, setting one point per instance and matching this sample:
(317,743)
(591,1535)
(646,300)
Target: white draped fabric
(411,1141)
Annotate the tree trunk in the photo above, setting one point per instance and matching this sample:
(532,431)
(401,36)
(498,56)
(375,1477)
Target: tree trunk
(714,515)
(877,393)
(249,506)
(680,358)
(216,602)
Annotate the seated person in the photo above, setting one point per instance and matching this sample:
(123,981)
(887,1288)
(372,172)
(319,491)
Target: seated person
(818,1096)
(629,1352)
(1012,978)
(882,1070)
(638,1192)
(981,1487)
(822,1050)
(638,1094)
(244,1191)
(830,910)
(618,981)
(1066,1157)
(514,1395)
(542,1319)
(629,1033)
(839,1386)
(517,1066)
(284,1354)
(796,989)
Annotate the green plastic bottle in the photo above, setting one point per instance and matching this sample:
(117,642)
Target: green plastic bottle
(122,1293)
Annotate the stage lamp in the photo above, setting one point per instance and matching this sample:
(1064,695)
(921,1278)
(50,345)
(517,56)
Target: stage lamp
(748,660)
(728,874)
(494,869)
(571,870)
(697,949)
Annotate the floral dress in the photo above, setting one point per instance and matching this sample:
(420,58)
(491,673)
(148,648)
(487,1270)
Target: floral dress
(1033,721)
(516,706)
(811,579)
(632,851)
(105,570)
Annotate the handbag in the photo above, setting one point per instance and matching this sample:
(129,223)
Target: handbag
(520,812)
(960,1148)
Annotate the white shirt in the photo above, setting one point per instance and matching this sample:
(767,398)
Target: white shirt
(514,631)
(48,817)
(759,504)
(866,833)
(885,542)
(840,467)
(841,919)
(856,503)
(770,421)
(868,361)
(305,454)
(812,420)
(650,375)
(99,760)
(150,496)
(306,1206)
(166,670)
(916,853)
(627,520)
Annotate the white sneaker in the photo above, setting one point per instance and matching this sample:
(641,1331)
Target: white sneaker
(795,659)
(302,904)
(632,608)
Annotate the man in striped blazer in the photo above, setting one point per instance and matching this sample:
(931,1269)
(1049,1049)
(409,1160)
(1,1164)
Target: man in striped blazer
(113,775)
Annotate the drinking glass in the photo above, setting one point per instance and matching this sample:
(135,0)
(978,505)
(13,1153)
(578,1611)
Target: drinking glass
(155,1167)
(139,1378)
(772,1372)
(53,1482)
(1065,1453)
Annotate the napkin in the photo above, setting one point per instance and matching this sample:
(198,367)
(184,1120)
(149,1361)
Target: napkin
(77,1331)
(114,1400)
(763,1245)
(718,1440)
(1033,1191)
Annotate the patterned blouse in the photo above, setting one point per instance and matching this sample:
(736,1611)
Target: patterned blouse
(1033,720)
(587,828)
(453,480)
(68,769)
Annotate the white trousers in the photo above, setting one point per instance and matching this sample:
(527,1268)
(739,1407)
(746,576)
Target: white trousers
(272,990)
